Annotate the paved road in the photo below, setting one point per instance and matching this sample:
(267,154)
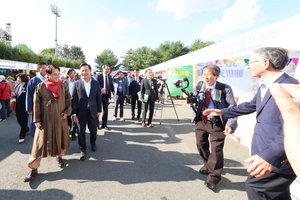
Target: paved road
(132,162)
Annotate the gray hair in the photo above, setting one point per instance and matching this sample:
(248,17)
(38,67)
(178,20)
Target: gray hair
(279,57)
(215,69)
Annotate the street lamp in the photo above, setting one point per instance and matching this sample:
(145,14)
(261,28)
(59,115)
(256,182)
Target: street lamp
(56,11)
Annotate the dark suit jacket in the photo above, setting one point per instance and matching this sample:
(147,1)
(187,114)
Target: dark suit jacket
(223,102)
(80,100)
(110,86)
(135,86)
(268,132)
(147,89)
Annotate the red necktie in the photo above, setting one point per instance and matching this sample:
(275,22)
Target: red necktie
(106,84)
(205,104)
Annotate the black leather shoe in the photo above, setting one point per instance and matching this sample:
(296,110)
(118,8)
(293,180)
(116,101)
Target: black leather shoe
(60,162)
(132,118)
(106,128)
(139,119)
(73,137)
(209,184)
(94,147)
(203,171)
(31,175)
(82,156)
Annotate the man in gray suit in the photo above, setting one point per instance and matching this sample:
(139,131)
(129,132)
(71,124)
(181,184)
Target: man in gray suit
(210,93)
(121,88)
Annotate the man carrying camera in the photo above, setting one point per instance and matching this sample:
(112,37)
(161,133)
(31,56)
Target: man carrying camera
(210,93)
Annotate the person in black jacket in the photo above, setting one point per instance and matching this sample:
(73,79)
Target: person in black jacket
(134,88)
(149,94)
(21,113)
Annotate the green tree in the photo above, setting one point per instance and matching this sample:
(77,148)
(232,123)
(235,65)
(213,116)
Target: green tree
(169,50)
(199,44)
(107,57)
(48,52)
(70,53)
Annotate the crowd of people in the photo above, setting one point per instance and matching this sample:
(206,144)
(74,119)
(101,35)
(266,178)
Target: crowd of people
(72,103)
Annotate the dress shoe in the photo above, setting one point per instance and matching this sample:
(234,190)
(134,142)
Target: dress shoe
(132,118)
(82,156)
(21,141)
(203,171)
(209,184)
(106,128)
(139,119)
(143,125)
(31,174)
(60,162)
(151,125)
(94,147)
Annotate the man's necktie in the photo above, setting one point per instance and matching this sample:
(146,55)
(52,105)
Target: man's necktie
(106,84)
(205,104)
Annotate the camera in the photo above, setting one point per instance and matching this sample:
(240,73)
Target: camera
(179,84)
(211,118)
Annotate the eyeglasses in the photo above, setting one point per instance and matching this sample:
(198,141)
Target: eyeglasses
(253,62)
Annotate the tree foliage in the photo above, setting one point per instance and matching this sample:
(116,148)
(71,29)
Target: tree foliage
(199,44)
(169,50)
(70,53)
(107,57)
(48,52)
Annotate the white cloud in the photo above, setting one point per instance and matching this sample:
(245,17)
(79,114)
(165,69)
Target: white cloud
(183,8)
(120,23)
(243,13)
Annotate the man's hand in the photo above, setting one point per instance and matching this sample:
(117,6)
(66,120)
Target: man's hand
(291,116)
(63,115)
(29,112)
(103,91)
(185,96)
(129,96)
(74,118)
(227,130)
(98,114)
(212,112)
(259,167)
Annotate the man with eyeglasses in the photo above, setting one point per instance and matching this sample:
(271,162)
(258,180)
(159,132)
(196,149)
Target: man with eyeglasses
(270,171)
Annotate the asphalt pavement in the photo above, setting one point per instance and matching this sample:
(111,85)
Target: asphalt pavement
(132,162)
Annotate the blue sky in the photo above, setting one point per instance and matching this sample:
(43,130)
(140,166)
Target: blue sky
(118,25)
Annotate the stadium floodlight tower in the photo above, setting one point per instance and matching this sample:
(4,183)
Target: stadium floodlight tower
(57,12)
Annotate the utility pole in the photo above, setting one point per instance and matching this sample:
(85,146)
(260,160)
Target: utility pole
(57,12)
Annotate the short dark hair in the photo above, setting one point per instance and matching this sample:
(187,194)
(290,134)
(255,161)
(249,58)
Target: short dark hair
(23,77)
(39,65)
(103,66)
(85,64)
(147,70)
(215,69)
(71,70)
(119,72)
(136,70)
(279,57)
(50,68)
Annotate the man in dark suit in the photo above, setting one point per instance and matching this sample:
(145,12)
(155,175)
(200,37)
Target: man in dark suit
(270,171)
(211,132)
(121,88)
(134,88)
(106,83)
(149,94)
(86,107)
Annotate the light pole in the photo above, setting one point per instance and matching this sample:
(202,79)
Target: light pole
(57,12)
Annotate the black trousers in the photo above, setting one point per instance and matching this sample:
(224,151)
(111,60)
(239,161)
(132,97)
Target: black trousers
(92,125)
(150,103)
(119,100)
(22,119)
(105,102)
(275,187)
(210,135)
(134,99)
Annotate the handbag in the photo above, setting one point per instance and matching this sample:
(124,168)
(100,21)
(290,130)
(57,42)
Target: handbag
(13,104)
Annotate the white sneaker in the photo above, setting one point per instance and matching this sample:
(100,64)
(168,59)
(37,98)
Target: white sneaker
(114,119)
(21,141)
(122,119)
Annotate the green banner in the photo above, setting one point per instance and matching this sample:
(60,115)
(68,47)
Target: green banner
(179,73)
